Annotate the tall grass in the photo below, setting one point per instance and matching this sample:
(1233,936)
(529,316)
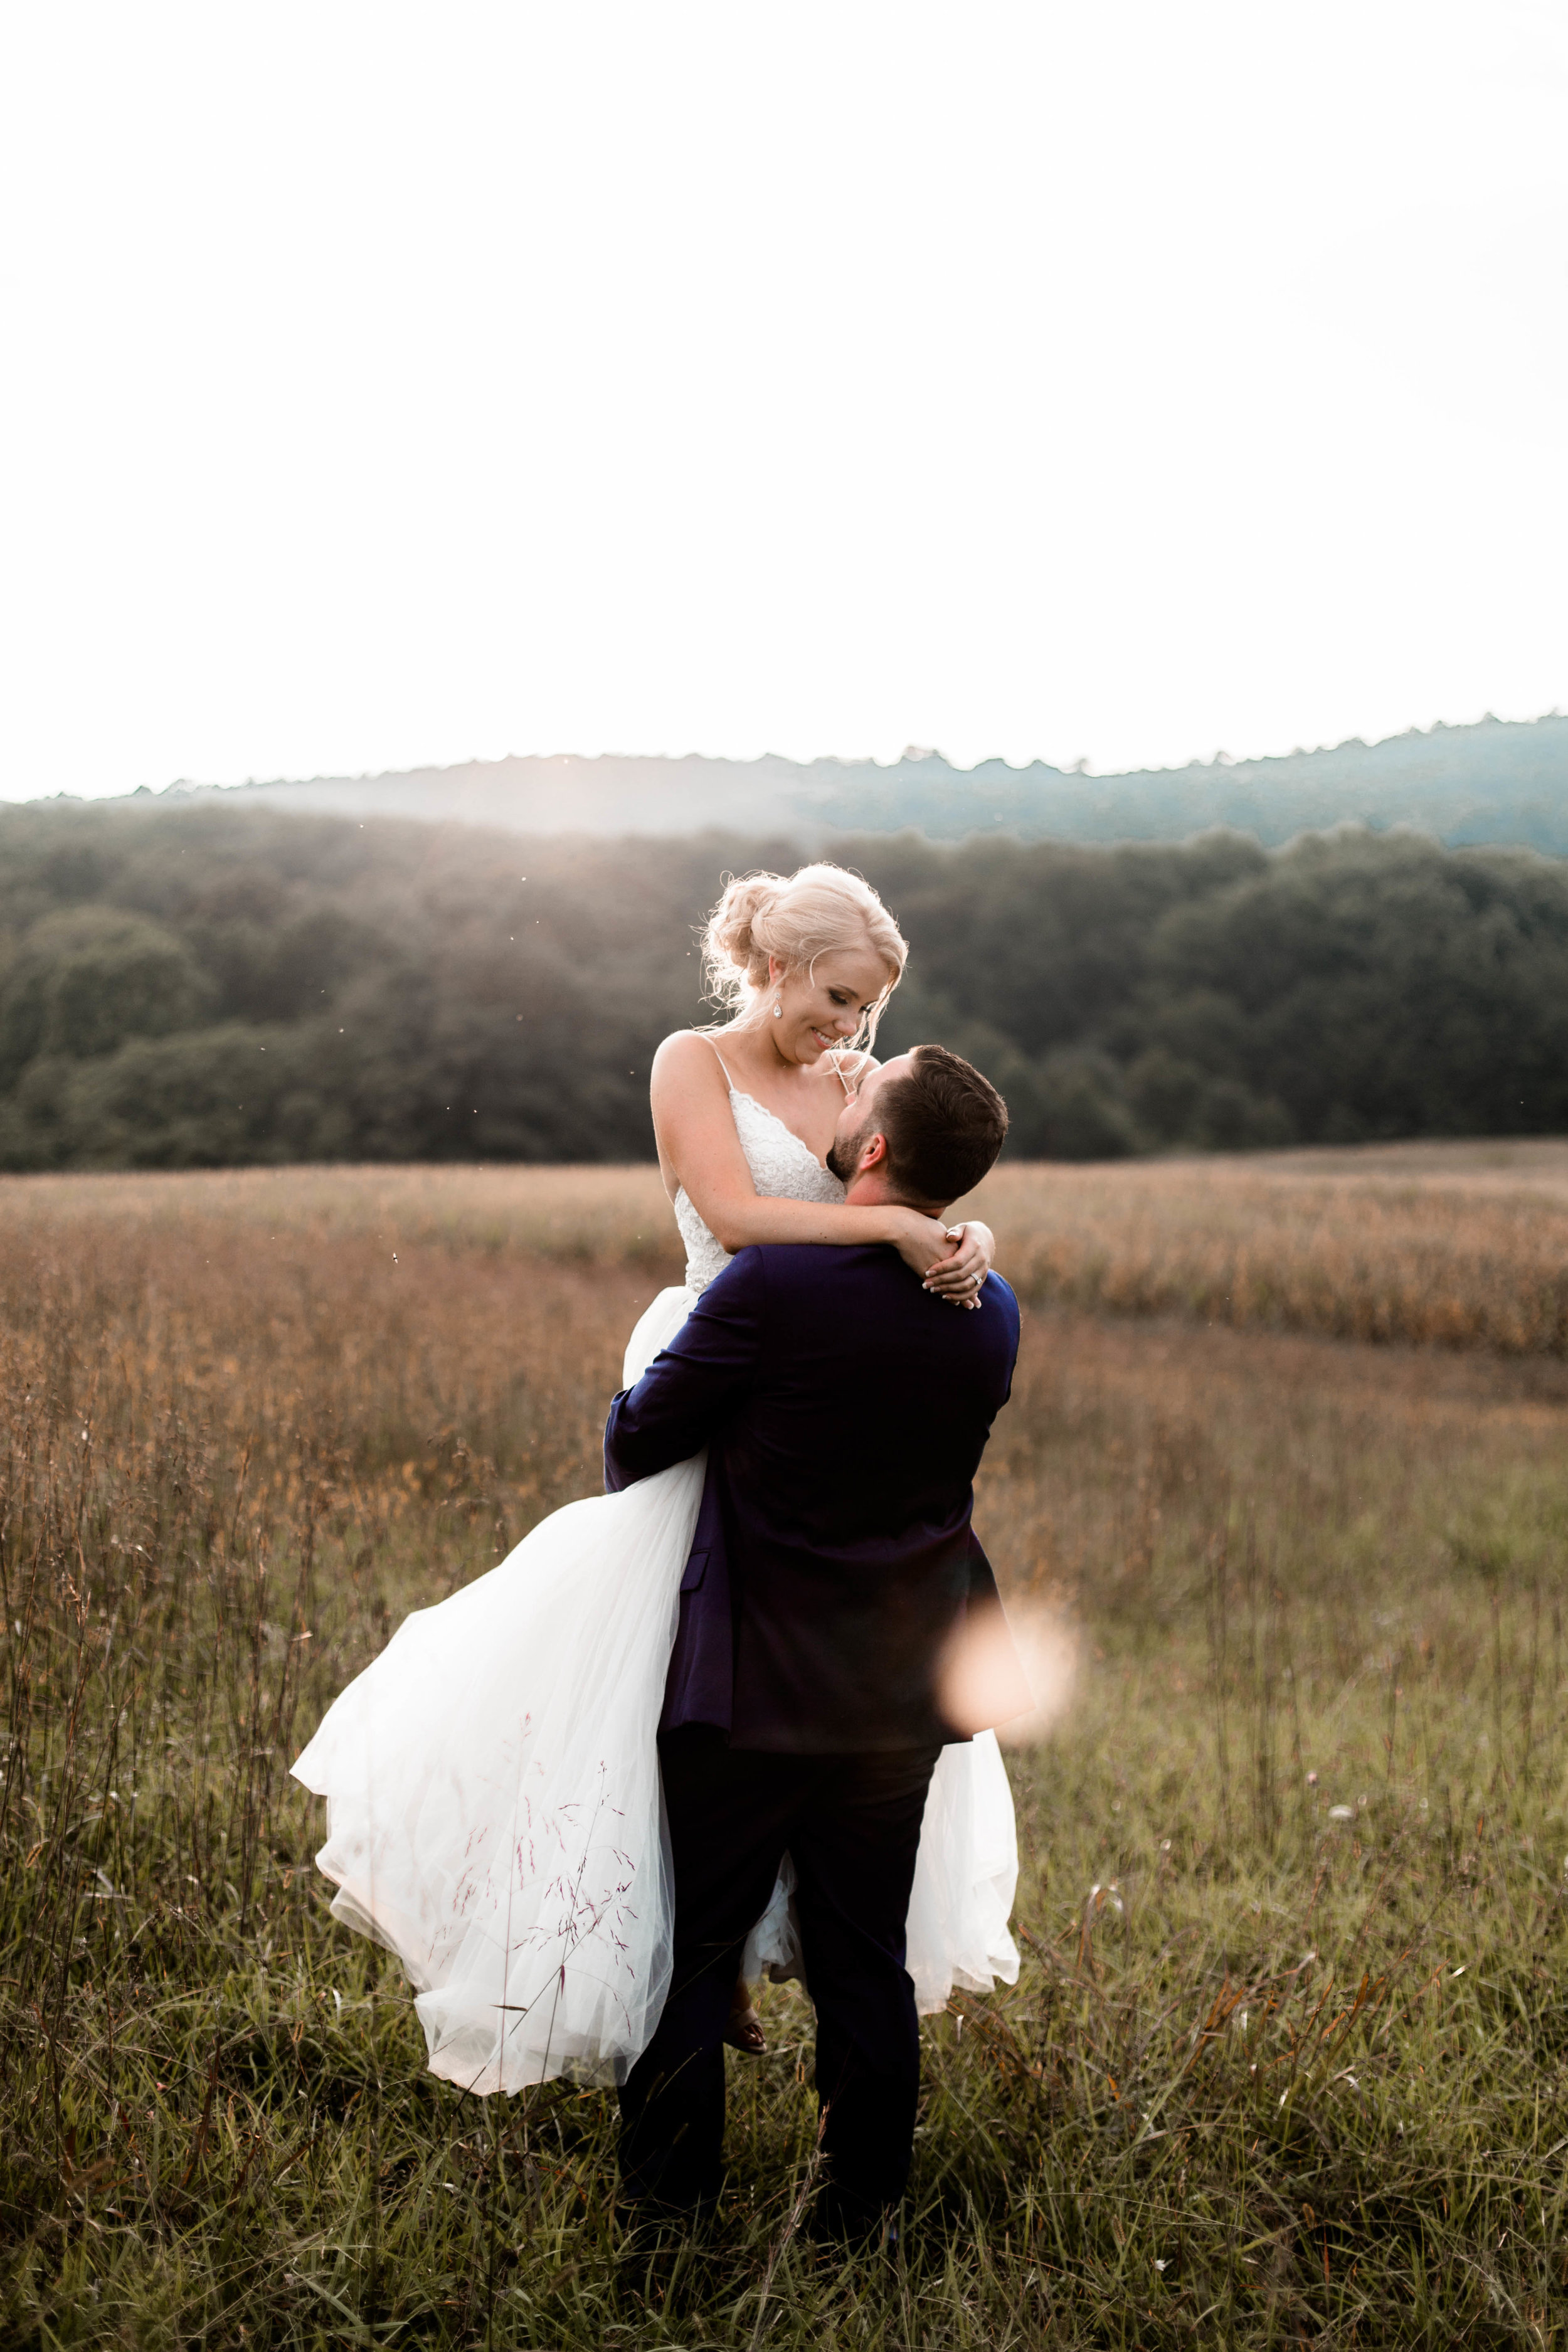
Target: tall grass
(1288,2057)
(1462,1245)
(1459,1245)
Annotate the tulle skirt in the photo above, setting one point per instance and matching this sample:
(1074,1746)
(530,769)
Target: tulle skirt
(494,1814)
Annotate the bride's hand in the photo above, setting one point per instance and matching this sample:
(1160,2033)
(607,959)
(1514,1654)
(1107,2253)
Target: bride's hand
(961,1274)
(917,1238)
(953,1261)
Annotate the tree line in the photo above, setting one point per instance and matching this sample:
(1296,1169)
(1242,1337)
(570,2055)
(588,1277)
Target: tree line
(213,985)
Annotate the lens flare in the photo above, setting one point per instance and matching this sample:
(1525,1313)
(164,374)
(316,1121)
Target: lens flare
(1012,1673)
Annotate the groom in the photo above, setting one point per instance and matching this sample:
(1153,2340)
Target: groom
(846,1409)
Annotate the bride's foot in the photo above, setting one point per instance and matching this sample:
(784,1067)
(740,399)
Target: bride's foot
(743,2031)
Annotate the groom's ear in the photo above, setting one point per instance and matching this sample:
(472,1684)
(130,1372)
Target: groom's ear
(873,1153)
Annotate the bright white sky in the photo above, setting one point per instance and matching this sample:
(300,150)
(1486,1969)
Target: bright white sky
(389,384)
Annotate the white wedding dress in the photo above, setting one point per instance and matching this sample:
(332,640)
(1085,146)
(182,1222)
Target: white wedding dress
(493,1806)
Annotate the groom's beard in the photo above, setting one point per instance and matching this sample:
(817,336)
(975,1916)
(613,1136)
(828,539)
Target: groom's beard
(844,1153)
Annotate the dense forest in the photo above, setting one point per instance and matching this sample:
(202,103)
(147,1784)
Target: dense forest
(213,983)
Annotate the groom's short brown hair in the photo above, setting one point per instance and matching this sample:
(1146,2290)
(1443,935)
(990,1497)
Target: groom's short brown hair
(944,1124)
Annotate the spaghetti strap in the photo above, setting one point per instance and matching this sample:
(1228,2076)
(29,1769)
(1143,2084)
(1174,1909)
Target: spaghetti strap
(719,1057)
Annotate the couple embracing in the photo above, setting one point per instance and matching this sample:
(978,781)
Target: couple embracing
(706,1726)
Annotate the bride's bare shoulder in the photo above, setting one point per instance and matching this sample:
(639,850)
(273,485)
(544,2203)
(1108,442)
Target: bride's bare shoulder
(686,1059)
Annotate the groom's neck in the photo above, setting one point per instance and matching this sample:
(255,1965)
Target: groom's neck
(874,1191)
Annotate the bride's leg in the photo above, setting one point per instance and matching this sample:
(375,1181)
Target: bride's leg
(743,2028)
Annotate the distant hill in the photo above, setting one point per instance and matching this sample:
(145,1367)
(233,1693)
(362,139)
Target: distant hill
(1498,781)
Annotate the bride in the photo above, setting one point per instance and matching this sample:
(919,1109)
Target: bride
(494,1812)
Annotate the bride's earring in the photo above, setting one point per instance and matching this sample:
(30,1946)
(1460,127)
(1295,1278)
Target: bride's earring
(778,1008)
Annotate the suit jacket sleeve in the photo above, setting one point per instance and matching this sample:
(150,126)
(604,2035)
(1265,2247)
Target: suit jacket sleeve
(691,1386)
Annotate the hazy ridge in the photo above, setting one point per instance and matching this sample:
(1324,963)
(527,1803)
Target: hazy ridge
(1497,782)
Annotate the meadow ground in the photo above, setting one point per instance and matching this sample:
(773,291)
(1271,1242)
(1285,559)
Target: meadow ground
(1282,1494)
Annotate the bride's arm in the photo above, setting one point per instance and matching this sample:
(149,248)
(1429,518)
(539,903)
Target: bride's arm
(697,1146)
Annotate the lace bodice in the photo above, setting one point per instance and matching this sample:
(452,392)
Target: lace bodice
(782,1169)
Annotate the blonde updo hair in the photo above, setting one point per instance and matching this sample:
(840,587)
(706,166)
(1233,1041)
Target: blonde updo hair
(816,910)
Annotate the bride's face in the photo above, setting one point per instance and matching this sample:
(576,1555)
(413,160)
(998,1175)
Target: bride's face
(822,1007)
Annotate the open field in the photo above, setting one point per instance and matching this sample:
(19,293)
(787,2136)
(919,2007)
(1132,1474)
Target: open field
(1456,1244)
(1460,1245)
(1288,2061)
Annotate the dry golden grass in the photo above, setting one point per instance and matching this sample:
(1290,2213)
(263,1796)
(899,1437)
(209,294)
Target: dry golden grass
(1457,1245)
(1290,2023)
(597,1215)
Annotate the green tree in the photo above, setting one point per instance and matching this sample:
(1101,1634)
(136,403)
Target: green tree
(84,980)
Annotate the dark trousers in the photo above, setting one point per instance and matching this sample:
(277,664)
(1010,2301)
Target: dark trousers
(852,1824)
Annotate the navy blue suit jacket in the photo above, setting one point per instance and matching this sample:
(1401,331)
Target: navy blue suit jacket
(845,1410)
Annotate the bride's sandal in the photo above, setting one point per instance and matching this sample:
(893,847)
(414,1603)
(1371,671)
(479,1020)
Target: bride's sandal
(743,2028)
